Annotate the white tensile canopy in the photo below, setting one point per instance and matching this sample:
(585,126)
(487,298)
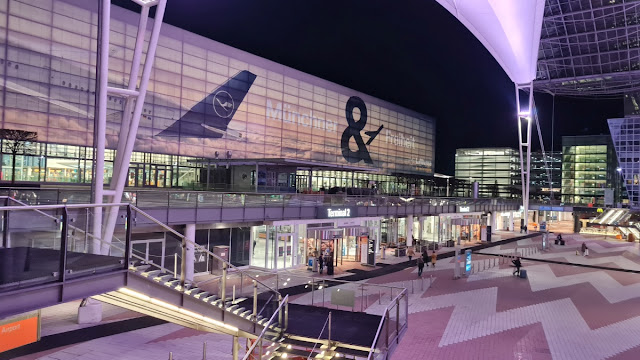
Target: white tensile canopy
(509,29)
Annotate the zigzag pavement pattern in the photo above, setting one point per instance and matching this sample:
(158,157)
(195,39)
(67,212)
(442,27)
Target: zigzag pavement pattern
(568,334)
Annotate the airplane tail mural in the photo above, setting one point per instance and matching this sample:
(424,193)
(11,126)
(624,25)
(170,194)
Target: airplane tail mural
(210,117)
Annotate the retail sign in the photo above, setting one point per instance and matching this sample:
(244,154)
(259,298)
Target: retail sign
(371,252)
(600,210)
(463,209)
(19,331)
(336,212)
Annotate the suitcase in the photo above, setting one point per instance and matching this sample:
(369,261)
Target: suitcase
(523,274)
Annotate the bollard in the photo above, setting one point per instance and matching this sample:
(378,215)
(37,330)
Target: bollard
(204,351)
(170,356)
(233,294)
(412,290)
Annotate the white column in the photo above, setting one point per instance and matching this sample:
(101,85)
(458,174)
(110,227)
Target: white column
(494,221)
(409,227)
(189,259)
(510,221)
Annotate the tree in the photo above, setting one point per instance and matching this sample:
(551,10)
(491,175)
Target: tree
(17,140)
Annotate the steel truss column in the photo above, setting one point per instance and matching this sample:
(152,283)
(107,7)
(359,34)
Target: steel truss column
(524,139)
(130,118)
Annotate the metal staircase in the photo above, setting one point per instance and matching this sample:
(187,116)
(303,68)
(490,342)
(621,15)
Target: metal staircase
(56,269)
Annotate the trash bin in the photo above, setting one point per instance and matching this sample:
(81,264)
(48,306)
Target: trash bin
(223,252)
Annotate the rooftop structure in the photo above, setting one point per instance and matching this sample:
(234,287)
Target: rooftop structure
(589,47)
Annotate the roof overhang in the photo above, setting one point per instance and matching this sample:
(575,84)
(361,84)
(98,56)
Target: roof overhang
(509,29)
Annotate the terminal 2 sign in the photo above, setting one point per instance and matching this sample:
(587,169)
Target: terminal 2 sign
(336,212)
(464,209)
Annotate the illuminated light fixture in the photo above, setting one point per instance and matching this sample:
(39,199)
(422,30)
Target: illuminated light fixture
(176,309)
(164,304)
(221,324)
(135,294)
(406,199)
(289,346)
(524,114)
(619,169)
(284,355)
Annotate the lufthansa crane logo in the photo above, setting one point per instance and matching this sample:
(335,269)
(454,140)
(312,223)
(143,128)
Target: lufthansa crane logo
(353,131)
(223,104)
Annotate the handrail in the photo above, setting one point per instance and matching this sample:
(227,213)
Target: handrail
(266,327)
(386,310)
(335,280)
(80,206)
(197,246)
(59,206)
(319,336)
(265,305)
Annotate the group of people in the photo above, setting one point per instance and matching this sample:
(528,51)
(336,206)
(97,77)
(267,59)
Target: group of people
(425,258)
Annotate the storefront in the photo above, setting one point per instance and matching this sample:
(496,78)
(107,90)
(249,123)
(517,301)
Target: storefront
(336,236)
(462,227)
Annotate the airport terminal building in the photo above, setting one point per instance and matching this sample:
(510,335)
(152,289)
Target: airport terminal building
(219,118)
(215,117)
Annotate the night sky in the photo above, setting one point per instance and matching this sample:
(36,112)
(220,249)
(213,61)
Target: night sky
(412,53)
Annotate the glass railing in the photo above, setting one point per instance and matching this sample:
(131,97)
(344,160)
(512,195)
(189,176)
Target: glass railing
(205,199)
(392,326)
(54,243)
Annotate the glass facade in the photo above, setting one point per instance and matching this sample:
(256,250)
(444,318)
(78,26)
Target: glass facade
(542,170)
(47,68)
(626,140)
(496,169)
(588,168)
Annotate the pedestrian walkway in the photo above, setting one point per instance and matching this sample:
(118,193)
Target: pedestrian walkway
(558,312)
(603,253)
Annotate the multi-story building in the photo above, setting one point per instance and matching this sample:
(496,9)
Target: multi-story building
(214,117)
(544,168)
(497,170)
(589,170)
(625,134)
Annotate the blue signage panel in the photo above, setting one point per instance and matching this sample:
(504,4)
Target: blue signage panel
(467,261)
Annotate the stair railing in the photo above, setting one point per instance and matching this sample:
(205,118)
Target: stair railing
(385,324)
(226,264)
(277,314)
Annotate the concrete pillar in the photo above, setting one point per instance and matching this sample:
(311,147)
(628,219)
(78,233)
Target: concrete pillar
(409,228)
(309,186)
(189,259)
(494,221)
(420,227)
(511,221)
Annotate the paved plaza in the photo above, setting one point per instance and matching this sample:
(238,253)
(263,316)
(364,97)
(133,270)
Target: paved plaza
(561,311)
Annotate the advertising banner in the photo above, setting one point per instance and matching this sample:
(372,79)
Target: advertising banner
(19,331)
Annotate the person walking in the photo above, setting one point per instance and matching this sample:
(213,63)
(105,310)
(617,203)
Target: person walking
(434,257)
(320,262)
(585,252)
(420,262)
(518,265)
(583,248)
(411,253)
(425,256)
